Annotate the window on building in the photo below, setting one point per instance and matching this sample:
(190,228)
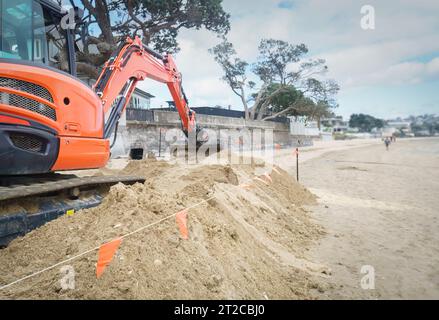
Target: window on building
(138,102)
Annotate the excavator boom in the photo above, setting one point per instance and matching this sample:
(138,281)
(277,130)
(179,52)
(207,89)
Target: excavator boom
(134,62)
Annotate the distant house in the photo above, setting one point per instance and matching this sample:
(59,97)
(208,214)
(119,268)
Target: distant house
(400,125)
(337,124)
(301,126)
(139,107)
(140,100)
(396,126)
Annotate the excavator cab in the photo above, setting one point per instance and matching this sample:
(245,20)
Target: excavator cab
(49,119)
(31,31)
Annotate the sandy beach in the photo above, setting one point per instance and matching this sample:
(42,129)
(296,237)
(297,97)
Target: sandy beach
(358,205)
(379,208)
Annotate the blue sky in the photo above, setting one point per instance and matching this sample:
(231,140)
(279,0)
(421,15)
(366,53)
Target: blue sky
(387,72)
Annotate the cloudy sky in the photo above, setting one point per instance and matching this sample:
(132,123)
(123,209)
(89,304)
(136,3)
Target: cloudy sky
(390,71)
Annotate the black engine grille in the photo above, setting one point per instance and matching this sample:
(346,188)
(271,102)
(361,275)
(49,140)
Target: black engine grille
(26,103)
(28,142)
(25,86)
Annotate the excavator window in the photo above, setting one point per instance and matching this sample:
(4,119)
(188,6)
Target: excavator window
(31,32)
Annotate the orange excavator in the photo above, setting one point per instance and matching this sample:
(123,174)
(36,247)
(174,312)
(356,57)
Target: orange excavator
(49,119)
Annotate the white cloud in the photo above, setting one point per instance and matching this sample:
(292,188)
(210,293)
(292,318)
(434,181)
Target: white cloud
(392,54)
(377,64)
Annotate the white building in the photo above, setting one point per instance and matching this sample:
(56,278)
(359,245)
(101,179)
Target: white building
(300,127)
(140,100)
(336,124)
(397,126)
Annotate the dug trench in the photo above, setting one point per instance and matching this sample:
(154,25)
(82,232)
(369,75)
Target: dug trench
(249,240)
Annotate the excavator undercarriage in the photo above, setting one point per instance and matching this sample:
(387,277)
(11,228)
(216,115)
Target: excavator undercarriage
(27,202)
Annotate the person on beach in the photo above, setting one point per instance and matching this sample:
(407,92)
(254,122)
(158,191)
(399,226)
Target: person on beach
(387,143)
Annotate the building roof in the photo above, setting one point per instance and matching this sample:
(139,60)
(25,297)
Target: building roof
(218,112)
(142,93)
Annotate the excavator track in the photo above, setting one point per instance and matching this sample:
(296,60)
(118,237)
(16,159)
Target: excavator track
(53,194)
(25,186)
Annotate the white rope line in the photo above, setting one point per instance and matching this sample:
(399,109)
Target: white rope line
(97,248)
(165,218)
(48,268)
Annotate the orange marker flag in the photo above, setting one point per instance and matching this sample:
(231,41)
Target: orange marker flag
(259,179)
(181,219)
(105,255)
(267,175)
(246,186)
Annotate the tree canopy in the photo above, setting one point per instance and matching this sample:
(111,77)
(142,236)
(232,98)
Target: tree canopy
(365,122)
(270,87)
(106,22)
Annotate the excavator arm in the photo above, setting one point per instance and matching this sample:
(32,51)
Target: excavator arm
(131,63)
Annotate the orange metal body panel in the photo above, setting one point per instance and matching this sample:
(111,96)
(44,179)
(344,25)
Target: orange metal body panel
(84,108)
(81,153)
(79,123)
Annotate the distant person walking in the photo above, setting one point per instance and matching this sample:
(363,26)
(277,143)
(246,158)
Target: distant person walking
(387,143)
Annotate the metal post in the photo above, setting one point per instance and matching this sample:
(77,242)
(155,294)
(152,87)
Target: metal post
(297,164)
(160,142)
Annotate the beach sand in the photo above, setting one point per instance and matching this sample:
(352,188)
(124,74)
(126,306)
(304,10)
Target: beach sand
(269,240)
(379,208)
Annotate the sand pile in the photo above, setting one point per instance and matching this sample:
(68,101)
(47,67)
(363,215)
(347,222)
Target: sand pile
(243,243)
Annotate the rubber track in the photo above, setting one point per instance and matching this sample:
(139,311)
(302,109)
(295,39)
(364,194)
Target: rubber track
(32,186)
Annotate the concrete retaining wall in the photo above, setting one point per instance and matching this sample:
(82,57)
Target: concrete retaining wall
(236,132)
